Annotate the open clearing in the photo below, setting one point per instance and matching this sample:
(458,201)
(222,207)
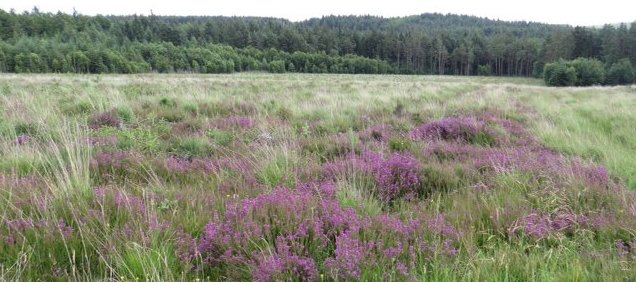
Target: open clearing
(315,177)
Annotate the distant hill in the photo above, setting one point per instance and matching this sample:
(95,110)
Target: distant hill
(433,22)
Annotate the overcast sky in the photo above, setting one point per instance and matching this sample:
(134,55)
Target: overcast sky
(581,12)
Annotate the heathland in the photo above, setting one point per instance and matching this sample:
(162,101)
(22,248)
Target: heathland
(315,177)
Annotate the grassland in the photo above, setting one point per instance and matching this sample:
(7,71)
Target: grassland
(315,177)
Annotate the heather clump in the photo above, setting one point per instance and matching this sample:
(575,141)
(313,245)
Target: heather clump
(459,129)
(396,176)
(284,265)
(552,197)
(298,217)
(45,237)
(626,249)
(116,165)
(235,122)
(109,118)
(26,228)
(349,257)
(378,133)
(22,139)
(26,193)
(187,127)
(300,226)
(542,226)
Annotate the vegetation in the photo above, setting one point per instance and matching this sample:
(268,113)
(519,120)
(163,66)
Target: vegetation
(580,72)
(36,42)
(620,73)
(315,177)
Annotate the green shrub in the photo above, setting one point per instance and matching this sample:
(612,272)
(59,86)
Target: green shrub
(220,137)
(559,74)
(588,71)
(27,128)
(277,66)
(579,72)
(125,114)
(400,144)
(484,70)
(191,147)
(168,102)
(620,73)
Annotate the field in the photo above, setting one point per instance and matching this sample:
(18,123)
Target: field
(315,178)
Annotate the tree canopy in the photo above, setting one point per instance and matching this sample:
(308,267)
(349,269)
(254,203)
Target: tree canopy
(423,44)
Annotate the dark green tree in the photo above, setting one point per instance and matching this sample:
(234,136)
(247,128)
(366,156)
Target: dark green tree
(620,72)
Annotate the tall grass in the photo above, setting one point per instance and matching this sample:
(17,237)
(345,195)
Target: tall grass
(315,177)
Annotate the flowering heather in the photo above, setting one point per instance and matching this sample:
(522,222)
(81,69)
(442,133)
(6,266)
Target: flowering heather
(23,183)
(349,257)
(110,166)
(46,228)
(594,175)
(520,158)
(541,226)
(120,199)
(327,185)
(297,217)
(397,176)
(114,160)
(377,133)
(451,151)
(306,219)
(326,189)
(237,175)
(185,128)
(284,265)
(178,165)
(109,118)
(626,249)
(22,139)
(240,122)
(124,201)
(461,129)
(514,150)
(342,168)
(440,226)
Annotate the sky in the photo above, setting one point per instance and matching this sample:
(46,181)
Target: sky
(583,12)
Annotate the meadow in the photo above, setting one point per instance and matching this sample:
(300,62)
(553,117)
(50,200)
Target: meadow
(299,177)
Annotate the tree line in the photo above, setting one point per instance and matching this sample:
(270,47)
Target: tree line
(424,44)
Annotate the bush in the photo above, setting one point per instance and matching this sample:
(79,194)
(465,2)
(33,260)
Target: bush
(620,73)
(588,71)
(559,74)
(579,72)
(277,66)
(484,70)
